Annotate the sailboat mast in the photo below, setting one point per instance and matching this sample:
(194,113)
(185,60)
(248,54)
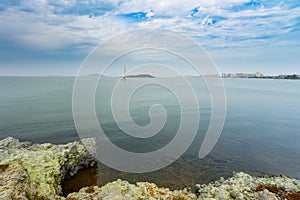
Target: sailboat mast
(124,76)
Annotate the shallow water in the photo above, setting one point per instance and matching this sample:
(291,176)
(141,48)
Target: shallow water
(260,136)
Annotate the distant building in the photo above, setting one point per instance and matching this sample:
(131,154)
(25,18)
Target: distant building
(258,74)
(244,75)
(282,76)
(231,75)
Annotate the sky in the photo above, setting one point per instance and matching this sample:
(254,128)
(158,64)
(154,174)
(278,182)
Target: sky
(46,37)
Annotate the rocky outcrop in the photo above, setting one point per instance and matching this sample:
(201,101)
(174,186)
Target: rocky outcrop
(36,171)
(245,186)
(31,171)
(240,186)
(123,190)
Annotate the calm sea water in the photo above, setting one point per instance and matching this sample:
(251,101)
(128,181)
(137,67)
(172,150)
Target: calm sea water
(261,134)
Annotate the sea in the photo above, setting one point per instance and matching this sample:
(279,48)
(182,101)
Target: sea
(261,133)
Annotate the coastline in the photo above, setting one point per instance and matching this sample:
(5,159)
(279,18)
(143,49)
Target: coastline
(38,171)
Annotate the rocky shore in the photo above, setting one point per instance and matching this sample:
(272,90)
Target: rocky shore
(37,171)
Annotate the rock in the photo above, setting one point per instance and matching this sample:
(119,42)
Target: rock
(6,196)
(9,142)
(123,190)
(19,177)
(187,189)
(222,194)
(233,194)
(25,144)
(73,149)
(36,171)
(221,180)
(13,182)
(265,195)
(243,186)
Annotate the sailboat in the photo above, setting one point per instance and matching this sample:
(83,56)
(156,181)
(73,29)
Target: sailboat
(124,76)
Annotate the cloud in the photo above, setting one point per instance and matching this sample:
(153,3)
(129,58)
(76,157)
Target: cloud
(46,29)
(84,23)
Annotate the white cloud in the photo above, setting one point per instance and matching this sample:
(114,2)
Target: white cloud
(52,31)
(214,22)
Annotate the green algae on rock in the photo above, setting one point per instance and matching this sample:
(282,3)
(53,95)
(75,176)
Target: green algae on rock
(244,186)
(124,190)
(36,171)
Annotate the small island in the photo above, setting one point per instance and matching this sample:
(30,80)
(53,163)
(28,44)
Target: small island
(135,75)
(139,76)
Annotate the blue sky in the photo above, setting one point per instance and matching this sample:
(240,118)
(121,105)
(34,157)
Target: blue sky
(43,37)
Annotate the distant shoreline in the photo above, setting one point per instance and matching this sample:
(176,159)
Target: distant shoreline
(260,76)
(277,77)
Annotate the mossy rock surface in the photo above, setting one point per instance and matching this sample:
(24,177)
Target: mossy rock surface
(36,171)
